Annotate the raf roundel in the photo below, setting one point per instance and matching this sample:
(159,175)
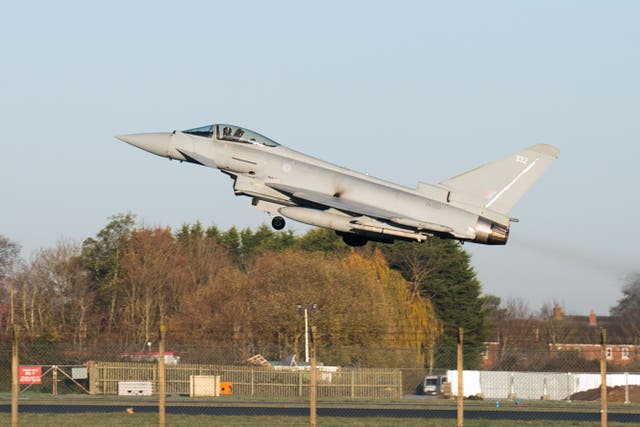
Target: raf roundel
(286,168)
(489,195)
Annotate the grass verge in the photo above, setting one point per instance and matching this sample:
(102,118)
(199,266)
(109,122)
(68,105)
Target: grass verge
(145,419)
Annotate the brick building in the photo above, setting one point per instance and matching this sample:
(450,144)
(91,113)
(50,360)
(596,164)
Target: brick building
(563,333)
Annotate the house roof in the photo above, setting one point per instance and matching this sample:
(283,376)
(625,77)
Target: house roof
(575,329)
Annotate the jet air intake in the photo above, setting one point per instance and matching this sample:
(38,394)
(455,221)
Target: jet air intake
(491,233)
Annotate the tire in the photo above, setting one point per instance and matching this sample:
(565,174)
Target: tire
(278,223)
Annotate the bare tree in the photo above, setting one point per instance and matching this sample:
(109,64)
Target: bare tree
(555,328)
(154,275)
(516,330)
(416,264)
(9,252)
(53,299)
(628,308)
(205,256)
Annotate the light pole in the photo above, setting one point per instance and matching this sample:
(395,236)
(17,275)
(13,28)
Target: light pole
(305,308)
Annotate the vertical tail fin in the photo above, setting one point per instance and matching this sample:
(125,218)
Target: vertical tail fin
(499,185)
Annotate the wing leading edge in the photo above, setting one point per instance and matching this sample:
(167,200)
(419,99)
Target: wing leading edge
(351,207)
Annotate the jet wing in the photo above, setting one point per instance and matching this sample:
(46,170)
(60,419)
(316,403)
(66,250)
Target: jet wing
(356,208)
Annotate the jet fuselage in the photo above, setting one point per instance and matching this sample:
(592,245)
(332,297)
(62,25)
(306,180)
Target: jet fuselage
(285,182)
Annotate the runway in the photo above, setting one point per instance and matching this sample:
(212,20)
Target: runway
(345,412)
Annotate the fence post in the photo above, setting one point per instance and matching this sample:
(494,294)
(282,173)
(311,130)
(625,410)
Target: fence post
(300,383)
(15,384)
(512,387)
(54,380)
(314,381)
(603,377)
(253,380)
(431,359)
(161,378)
(626,387)
(353,383)
(460,379)
(93,376)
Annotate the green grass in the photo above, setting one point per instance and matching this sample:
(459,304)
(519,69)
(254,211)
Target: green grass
(430,404)
(151,418)
(122,419)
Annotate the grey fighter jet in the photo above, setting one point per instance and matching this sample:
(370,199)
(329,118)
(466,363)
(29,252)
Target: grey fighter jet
(473,206)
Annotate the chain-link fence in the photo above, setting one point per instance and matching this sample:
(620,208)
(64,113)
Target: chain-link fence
(112,384)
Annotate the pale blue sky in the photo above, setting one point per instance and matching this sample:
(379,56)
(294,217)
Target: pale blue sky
(406,91)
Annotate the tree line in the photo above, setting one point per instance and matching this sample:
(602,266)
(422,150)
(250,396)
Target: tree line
(237,290)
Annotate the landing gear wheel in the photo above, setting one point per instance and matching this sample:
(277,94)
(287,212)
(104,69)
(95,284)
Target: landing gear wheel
(278,223)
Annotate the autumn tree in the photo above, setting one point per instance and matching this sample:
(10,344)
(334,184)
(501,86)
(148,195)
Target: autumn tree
(357,298)
(238,291)
(205,254)
(440,271)
(214,308)
(152,282)
(214,321)
(414,325)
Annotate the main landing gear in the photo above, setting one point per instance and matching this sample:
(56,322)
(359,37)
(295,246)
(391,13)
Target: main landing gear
(354,239)
(278,223)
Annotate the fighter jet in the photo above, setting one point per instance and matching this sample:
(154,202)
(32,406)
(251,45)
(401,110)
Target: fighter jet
(473,206)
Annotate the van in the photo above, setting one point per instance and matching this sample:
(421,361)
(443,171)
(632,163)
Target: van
(432,385)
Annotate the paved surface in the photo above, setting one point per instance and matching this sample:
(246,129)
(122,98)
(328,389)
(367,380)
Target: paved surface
(259,409)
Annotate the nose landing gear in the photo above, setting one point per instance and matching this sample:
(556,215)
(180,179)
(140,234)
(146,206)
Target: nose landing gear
(278,223)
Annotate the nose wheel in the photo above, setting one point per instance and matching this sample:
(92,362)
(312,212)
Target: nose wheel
(278,223)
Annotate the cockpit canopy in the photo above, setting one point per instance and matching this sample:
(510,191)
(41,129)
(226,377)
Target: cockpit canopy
(232,133)
(204,131)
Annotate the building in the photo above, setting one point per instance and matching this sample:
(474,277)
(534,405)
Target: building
(525,339)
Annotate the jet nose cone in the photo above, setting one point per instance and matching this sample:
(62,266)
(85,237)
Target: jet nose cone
(127,138)
(156,143)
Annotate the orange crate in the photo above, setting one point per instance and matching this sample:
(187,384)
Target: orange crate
(226,387)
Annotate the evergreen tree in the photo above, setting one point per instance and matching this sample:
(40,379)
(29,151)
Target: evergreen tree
(628,308)
(102,258)
(231,240)
(440,271)
(264,238)
(213,232)
(321,239)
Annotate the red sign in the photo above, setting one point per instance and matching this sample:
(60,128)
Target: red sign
(30,375)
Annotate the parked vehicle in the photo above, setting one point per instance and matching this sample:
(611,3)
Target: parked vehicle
(432,385)
(170,358)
